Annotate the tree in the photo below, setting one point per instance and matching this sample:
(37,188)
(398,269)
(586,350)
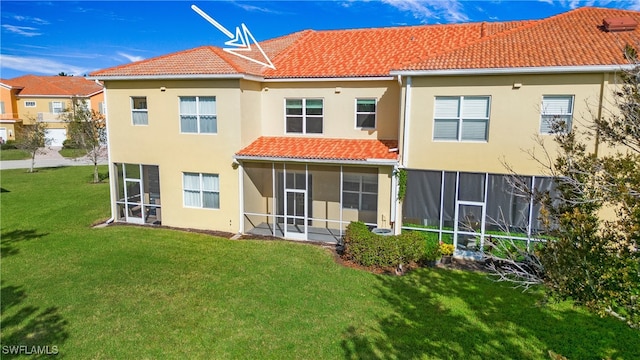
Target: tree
(590,258)
(86,129)
(32,138)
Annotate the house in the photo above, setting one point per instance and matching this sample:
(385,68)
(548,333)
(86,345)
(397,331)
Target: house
(45,98)
(207,140)
(9,119)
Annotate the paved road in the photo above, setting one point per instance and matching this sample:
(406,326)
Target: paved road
(50,158)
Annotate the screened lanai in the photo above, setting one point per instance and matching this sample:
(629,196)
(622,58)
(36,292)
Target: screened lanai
(467,209)
(302,198)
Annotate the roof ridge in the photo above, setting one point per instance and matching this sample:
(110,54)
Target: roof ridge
(224,56)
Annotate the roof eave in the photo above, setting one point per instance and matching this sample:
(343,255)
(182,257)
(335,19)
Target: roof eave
(384,162)
(177,77)
(328,79)
(516,70)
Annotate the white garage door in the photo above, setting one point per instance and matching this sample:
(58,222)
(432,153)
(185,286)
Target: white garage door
(57,136)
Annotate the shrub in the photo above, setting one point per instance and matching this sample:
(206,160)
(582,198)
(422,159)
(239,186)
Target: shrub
(446,249)
(70,144)
(9,145)
(369,249)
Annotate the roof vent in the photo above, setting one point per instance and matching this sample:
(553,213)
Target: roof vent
(619,24)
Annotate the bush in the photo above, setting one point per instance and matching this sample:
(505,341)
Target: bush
(9,145)
(369,249)
(70,144)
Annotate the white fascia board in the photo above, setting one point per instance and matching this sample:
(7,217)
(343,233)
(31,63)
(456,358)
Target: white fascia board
(331,79)
(522,70)
(384,162)
(47,96)
(178,77)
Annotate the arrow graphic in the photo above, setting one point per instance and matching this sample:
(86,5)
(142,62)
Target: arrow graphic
(240,42)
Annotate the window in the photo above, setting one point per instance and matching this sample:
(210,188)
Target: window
(556,114)
(56,107)
(360,191)
(1,107)
(366,113)
(201,190)
(139,113)
(29,104)
(304,116)
(102,107)
(198,114)
(461,118)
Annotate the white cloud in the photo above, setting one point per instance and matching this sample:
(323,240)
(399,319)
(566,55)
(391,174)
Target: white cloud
(132,58)
(39,65)
(34,20)
(429,10)
(22,30)
(254,8)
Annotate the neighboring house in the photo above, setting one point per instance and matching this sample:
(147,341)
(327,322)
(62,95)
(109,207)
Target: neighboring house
(45,98)
(203,139)
(9,118)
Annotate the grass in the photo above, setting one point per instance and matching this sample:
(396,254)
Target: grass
(134,292)
(14,154)
(72,153)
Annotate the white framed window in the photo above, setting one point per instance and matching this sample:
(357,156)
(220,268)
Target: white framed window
(56,107)
(366,113)
(461,118)
(201,190)
(102,108)
(556,113)
(198,115)
(360,191)
(1,107)
(139,111)
(304,116)
(29,104)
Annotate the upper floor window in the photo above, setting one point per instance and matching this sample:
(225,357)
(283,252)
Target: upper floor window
(102,107)
(461,118)
(1,107)
(198,114)
(366,113)
(29,104)
(556,114)
(201,190)
(56,107)
(139,112)
(304,116)
(360,191)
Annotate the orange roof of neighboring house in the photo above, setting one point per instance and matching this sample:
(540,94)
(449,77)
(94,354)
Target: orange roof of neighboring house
(320,149)
(54,85)
(575,38)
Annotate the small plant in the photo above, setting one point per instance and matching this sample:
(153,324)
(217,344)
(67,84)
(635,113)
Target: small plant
(446,249)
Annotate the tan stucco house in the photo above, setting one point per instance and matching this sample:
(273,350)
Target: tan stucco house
(31,98)
(203,139)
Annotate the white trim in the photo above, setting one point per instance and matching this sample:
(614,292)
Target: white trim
(319,79)
(515,70)
(240,170)
(177,77)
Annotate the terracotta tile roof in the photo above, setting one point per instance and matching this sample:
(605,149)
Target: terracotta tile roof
(305,148)
(575,38)
(54,85)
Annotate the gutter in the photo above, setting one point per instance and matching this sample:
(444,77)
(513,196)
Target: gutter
(177,77)
(522,70)
(328,79)
(112,181)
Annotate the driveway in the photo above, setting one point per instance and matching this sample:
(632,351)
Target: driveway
(49,158)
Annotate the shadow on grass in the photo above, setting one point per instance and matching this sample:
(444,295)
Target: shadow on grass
(29,326)
(10,239)
(463,315)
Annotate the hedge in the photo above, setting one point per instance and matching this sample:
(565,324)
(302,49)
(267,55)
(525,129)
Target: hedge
(369,249)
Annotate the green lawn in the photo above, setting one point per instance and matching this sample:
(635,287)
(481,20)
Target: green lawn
(125,292)
(14,154)
(72,153)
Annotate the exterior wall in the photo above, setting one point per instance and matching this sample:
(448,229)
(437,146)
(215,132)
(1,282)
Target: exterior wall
(251,115)
(30,114)
(161,143)
(339,107)
(8,97)
(514,119)
(95,100)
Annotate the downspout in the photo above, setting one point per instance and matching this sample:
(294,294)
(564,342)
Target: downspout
(404,155)
(599,116)
(241,196)
(112,180)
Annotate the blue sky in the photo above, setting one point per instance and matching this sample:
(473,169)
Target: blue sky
(77,37)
